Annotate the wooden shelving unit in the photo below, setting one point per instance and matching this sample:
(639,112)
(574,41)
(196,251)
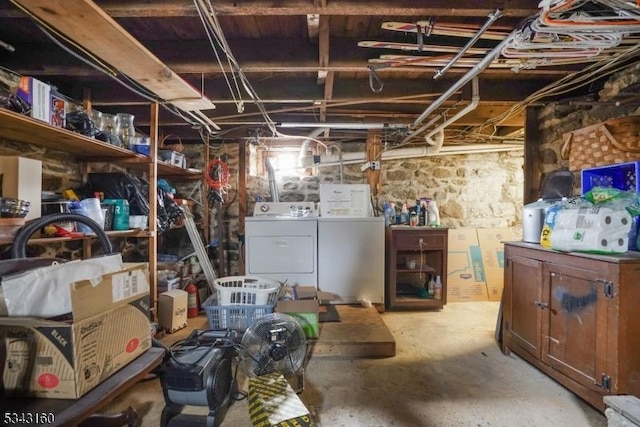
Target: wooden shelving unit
(22,129)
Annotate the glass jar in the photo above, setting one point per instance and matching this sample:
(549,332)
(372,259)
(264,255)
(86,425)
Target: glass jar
(127,130)
(111,125)
(96,118)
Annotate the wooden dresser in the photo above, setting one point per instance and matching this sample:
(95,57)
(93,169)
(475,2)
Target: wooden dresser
(576,317)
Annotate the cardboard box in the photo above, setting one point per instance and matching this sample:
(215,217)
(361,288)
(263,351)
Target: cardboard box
(62,360)
(172,310)
(492,248)
(38,95)
(58,116)
(305,309)
(273,403)
(22,179)
(465,269)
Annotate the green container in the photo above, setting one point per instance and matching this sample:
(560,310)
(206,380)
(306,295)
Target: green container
(120,213)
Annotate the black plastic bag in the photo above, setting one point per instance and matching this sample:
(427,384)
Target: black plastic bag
(120,185)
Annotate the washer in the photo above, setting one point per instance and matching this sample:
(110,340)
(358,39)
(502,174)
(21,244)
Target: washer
(281,241)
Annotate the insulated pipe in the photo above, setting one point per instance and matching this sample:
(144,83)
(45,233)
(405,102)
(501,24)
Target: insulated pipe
(475,100)
(477,69)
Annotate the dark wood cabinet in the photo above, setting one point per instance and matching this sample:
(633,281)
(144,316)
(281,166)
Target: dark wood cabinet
(413,256)
(575,317)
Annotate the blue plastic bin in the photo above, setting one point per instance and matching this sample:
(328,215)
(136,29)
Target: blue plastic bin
(235,317)
(623,176)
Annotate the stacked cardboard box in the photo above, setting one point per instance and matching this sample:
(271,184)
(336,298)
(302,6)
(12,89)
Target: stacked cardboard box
(66,359)
(476,263)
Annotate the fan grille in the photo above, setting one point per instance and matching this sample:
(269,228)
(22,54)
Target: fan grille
(274,343)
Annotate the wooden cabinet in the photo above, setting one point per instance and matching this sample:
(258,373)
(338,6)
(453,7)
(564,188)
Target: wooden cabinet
(575,317)
(413,255)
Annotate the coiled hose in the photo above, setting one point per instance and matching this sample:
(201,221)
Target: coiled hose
(19,248)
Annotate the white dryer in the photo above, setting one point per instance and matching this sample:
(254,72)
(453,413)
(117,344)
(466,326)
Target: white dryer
(281,241)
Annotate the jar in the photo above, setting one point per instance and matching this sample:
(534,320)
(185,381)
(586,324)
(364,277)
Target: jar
(413,219)
(127,130)
(111,125)
(96,118)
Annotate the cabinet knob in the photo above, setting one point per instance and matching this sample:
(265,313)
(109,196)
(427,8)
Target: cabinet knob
(541,304)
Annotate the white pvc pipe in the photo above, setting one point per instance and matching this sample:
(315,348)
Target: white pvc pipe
(412,152)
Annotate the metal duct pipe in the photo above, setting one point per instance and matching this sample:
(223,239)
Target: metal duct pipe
(475,100)
(273,185)
(477,69)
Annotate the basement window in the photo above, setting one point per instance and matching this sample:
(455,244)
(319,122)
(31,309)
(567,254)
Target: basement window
(285,163)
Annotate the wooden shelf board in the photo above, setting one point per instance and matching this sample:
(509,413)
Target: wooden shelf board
(46,240)
(27,130)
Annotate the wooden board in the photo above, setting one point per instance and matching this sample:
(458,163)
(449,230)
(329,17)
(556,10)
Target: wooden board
(89,26)
(361,333)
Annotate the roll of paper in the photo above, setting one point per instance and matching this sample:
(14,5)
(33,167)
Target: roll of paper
(589,240)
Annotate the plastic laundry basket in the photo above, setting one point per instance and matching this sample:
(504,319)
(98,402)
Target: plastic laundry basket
(246,290)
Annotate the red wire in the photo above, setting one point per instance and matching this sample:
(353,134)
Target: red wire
(222,178)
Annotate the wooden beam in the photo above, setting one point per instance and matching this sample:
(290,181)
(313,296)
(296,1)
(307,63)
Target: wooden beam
(92,28)
(175,8)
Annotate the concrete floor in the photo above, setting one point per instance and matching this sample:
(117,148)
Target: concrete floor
(448,371)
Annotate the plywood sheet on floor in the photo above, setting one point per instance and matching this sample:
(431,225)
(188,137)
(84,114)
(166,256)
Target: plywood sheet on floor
(360,333)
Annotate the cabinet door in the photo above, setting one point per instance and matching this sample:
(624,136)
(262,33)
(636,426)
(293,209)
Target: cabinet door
(523,294)
(574,324)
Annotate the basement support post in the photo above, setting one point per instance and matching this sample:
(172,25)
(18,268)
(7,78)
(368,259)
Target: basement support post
(373,149)
(532,156)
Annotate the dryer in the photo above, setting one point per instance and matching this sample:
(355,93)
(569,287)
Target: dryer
(281,241)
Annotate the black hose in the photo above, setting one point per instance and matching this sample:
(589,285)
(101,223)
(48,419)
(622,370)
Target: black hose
(18,250)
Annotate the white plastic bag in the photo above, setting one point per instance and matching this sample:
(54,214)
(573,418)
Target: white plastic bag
(45,291)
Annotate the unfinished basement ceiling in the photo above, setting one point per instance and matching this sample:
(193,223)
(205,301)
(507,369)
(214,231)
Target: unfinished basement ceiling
(307,66)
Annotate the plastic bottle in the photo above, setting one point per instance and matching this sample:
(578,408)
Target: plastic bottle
(404,214)
(437,288)
(431,287)
(433,214)
(389,214)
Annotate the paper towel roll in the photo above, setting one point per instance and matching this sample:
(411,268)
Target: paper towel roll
(589,240)
(604,218)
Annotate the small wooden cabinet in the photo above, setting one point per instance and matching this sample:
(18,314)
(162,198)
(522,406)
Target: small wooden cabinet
(576,317)
(413,254)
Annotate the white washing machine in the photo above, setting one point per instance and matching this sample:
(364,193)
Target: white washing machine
(350,245)
(281,242)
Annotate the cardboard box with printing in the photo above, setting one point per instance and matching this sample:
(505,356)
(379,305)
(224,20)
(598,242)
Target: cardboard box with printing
(465,269)
(38,95)
(492,248)
(63,360)
(172,310)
